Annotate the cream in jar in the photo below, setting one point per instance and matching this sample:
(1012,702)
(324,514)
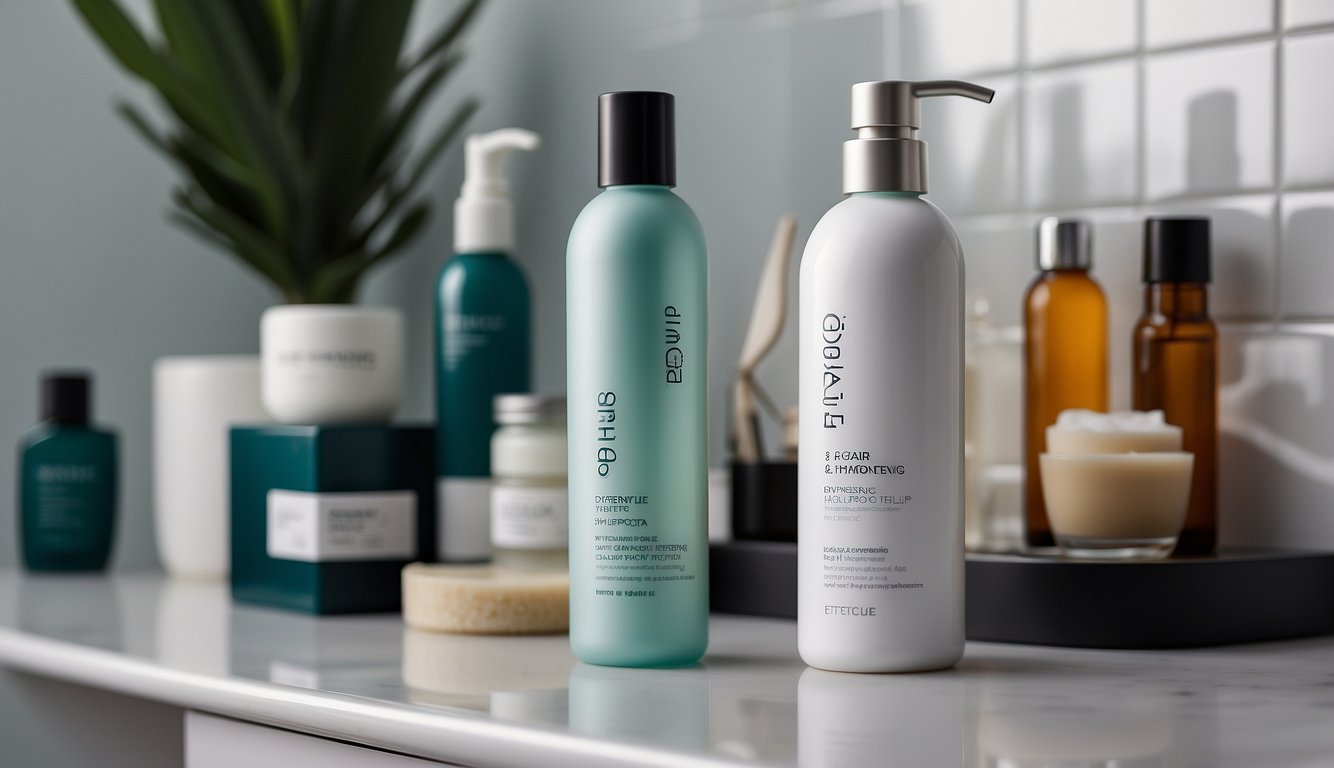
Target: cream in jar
(1117,485)
(529,508)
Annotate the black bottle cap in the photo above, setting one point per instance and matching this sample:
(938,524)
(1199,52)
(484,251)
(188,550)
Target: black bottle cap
(66,397)
(1176,250)
(636,138)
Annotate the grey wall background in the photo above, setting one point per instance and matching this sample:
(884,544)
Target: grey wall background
(1118,110)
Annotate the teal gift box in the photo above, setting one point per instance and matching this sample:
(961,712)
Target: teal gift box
(324,518)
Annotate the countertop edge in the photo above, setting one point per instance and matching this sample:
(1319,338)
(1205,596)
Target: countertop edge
(443,736)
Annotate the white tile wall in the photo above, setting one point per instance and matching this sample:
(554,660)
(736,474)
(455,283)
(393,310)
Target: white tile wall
(954,38)
(1304,13)
(1117,266)
(1308,111)
(1064,31)
(1079,136)
(1307,287)
(1276,426)
(1209,121)
(1179,22)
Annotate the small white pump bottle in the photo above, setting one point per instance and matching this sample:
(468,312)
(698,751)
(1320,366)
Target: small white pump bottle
(880,497)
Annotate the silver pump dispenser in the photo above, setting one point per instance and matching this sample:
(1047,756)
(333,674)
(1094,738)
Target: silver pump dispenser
(887,156)
(1064,244)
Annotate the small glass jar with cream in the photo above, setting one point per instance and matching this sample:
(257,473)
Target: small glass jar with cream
(1117,485)
(529,512)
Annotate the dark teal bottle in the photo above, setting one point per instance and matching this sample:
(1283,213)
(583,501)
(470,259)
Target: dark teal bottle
(67,482)
(483,344)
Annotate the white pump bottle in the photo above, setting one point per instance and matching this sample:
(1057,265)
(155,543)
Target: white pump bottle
(880,489)
(483,213)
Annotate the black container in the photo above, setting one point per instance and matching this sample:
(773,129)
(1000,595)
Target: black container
(1234,596)
(764,501)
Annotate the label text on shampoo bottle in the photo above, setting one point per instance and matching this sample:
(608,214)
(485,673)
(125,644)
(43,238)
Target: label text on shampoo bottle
(675,357)
(832,327)
(606,432)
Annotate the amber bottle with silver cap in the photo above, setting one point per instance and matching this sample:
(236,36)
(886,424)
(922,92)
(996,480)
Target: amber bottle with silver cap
(880,473)
(1065,350)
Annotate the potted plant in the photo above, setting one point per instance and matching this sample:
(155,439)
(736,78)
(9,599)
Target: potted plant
(289,125)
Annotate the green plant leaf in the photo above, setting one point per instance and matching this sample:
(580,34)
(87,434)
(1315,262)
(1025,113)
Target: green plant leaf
(186,41)
(290,126)
(285,16)
(128,46)
(396,125)
(253,246)
(394,128)
(367,38)
(239,87)
(445,39)
(204,232)
(145,129)
(339,277)
(184,38)
(396,194)
(257,27)
(123,39)
(404,232)
(441,141)
(228,184)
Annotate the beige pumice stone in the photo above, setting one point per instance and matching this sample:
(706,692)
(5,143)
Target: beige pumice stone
(485,599)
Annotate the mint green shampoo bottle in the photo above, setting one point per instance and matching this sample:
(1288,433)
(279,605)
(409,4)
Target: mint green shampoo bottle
(483,344)
(637,356)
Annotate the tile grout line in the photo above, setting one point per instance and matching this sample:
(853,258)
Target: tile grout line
(1021,105)
(1279,119)
(1141,111)
(1230,41)
(1141,50)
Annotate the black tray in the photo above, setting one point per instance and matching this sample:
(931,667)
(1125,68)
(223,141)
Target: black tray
(1236,596)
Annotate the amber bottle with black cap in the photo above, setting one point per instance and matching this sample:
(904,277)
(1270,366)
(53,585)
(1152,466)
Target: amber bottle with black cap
(1175,352)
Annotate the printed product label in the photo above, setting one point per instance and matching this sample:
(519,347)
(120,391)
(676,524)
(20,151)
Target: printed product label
(64,504)
(322,527)
(881,476)
(529,517)
(647,510)
(312,360)
(466,334)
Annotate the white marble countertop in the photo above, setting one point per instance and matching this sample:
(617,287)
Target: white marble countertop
(526,701)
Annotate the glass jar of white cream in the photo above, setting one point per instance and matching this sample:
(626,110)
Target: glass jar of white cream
(529,517)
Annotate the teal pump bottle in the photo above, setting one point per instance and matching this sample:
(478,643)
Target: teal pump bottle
(483,344)
(67,482)
(637,357)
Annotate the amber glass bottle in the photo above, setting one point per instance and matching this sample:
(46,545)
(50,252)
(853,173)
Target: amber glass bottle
(1065,351)
(1176,360)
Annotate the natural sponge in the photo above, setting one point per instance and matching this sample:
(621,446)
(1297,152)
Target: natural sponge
(485,599)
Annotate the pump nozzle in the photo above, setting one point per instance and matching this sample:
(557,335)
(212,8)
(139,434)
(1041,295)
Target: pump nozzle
(886,155)
(483,214)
